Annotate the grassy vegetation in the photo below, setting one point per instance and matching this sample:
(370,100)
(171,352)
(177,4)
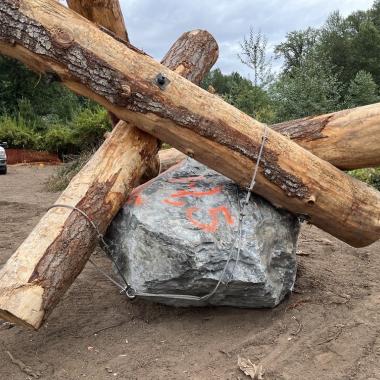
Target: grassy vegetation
(82,133)
(370,176)
(65,173)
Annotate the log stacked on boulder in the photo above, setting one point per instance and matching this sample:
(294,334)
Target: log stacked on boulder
(135,87)
(50,259)
(348,139)
(50,38)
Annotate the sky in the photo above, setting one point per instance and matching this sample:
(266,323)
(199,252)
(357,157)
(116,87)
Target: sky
(153,25)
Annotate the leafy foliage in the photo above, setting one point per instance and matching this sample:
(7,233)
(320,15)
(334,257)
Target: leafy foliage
(16,134)
(36,114)
(312,88)
(83,133)
(241,93)
(362,90)
(370,176)
(296,48)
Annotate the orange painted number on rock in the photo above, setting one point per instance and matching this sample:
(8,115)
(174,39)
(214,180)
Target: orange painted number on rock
(196,194)
(213,212)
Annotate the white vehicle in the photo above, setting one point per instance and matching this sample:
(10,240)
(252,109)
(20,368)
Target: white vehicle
(3,159)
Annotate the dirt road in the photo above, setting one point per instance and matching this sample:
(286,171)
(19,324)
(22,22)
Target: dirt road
(329,328)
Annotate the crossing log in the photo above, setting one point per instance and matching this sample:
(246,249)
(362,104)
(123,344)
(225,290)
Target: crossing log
(49,37)
(348,139)
(106,13)
(46,264)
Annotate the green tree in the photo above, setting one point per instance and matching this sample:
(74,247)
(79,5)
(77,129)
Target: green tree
(17,83)
(362,91)
(241,93)
(296,47)
(310,89)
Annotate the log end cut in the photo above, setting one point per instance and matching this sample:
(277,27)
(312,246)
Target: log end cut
(23,305)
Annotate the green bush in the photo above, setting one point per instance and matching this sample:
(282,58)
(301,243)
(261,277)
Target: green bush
(370,176)
(85,132)
(17,134)
(59,139)
(88,128)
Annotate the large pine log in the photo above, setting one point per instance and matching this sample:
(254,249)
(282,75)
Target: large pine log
(106,13)
(348,139)
(49,37)
(37,275)
(46,264)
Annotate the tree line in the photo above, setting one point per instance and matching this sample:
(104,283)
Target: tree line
(323,70)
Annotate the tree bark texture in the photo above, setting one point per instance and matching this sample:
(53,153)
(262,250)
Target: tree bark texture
(46,264)
(348,139)
(49,37)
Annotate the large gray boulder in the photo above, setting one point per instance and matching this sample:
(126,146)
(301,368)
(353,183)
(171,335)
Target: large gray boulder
(175,234)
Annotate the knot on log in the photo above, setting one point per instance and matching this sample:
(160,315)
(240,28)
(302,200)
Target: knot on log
(62,37)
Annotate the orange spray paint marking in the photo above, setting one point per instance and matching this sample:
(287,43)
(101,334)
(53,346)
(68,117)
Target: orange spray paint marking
(135,199)
(213,212)
(174,203)
(186,193)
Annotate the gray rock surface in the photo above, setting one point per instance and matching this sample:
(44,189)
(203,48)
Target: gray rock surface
(176,233)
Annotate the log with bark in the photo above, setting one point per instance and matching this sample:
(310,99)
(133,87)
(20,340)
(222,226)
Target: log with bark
(45,265)
(49,37)
(348,139)
(169,158)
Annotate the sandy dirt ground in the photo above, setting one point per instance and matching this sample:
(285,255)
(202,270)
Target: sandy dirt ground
(329,328)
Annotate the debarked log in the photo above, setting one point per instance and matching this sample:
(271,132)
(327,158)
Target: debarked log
(348,139)
(37,275)
(45,265)
(133,86)
(106,13)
